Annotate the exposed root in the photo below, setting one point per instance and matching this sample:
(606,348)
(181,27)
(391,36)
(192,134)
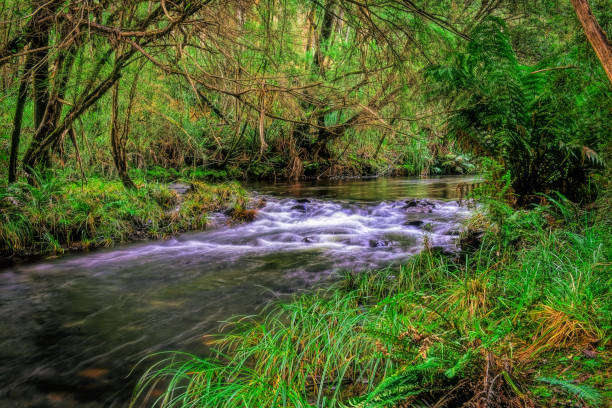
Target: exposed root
(497,388)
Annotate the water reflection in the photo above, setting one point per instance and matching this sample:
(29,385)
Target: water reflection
(441,188)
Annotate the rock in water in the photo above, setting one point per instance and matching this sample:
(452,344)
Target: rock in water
(378,243)
(411,203)
(419,203)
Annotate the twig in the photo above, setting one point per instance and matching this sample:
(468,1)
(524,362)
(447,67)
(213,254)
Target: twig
(554,69)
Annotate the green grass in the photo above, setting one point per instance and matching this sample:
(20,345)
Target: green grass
(527,322)
(58,216)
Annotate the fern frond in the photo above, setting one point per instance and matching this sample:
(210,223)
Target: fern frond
(584,392)
(399,387)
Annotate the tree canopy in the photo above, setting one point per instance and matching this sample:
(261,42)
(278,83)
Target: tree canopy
(291,89)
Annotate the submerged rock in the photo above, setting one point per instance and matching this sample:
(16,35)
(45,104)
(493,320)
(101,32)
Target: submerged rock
(299,207)
(93,372)
(415,223)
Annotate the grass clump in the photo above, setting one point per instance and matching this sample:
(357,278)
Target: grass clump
(522,321)
(53,217)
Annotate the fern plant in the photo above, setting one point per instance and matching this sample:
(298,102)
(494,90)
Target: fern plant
(502,109)
(400,387)
(587,394)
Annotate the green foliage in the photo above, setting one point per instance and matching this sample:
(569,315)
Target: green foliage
(453,163)
(512,113)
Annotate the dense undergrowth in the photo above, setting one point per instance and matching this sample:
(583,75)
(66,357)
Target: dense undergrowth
(56,216)
(523,320)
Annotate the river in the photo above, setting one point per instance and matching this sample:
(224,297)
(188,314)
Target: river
(72,328)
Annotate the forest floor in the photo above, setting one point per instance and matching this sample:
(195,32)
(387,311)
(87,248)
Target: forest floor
(522,317)
(56,217)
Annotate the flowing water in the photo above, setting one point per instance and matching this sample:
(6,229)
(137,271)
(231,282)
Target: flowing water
(71,329)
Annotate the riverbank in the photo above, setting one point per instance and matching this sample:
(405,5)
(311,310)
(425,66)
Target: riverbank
(522,320)
(56,217)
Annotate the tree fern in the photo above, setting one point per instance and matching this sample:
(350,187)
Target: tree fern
(504,111)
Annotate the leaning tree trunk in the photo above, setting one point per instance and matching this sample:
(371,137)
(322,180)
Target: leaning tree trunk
(595,35)
(35,153)
(37,149)
(40,33)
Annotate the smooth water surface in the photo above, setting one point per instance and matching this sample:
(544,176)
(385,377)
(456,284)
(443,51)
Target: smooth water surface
(72,329)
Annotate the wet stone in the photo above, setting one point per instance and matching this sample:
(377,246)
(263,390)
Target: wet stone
(416,223)
(379,243)
(414,203)
(260,203)
(308,240)
(299,207)
(302,201)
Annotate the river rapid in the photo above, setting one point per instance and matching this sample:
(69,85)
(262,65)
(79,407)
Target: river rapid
(72,329)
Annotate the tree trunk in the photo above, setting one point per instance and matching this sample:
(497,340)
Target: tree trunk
(41,30)
(38,36)
(37,149)
(320,42)
(595,35)
(323,41)
(117,142)
(322,47)
(21,99)
(63,70)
